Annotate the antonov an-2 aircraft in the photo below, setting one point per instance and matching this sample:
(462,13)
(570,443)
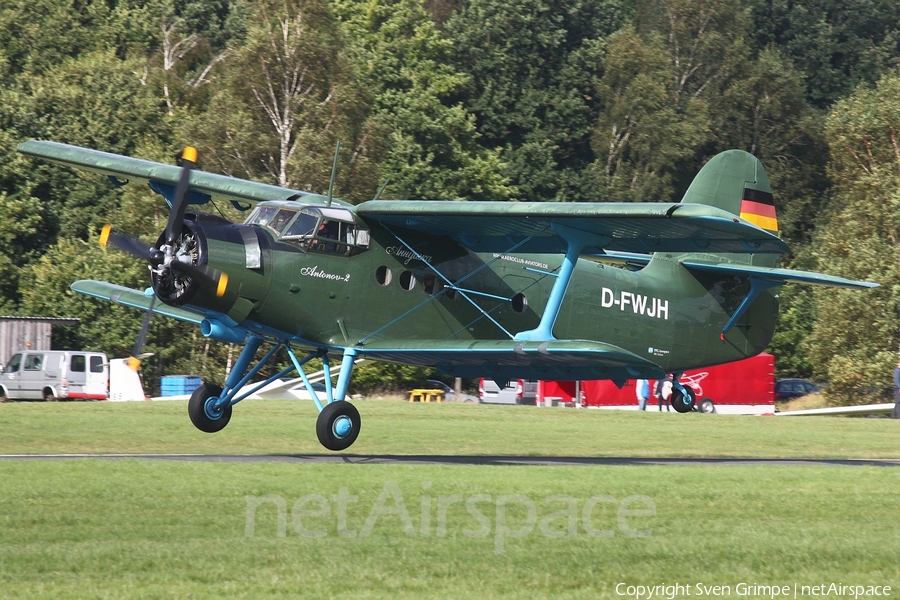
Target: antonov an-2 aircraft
(504,290)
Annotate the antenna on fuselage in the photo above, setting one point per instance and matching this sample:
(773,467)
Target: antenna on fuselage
(337,151)
(381,190)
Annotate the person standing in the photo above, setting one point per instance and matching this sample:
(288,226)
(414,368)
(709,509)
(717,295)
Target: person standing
(896,412)
(642,391)
(664,391)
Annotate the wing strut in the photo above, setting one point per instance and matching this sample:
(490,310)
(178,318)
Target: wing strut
(577,241)
(450,285)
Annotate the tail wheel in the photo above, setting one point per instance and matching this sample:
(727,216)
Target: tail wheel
(202,410)
(683,398)
(338,425)
(706,406)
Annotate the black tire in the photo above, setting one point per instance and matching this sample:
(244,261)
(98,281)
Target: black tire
(682,399)
(203,420)
(48,395)
(706,406)
(329,417)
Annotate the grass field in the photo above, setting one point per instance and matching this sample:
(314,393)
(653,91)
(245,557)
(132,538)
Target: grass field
(114,528)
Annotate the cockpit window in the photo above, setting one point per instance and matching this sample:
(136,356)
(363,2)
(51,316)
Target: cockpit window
(262,215)
(281,219)
(322,229)
(303,226)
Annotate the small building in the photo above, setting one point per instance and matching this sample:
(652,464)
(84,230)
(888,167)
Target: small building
(27,333)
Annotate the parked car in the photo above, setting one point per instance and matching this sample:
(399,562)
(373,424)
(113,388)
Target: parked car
(55,374)
(449,392)
(787,389)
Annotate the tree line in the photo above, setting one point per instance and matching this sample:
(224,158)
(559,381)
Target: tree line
(562,101)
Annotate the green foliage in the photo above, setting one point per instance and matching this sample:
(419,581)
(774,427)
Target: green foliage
(481,99)
(838,43)
(854,344)
(431,148)
(532,67)
(644,129)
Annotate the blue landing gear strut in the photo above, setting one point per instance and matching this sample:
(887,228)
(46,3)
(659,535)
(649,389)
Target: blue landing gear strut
(338,424)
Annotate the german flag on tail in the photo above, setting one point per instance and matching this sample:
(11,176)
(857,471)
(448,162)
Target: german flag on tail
(759,208)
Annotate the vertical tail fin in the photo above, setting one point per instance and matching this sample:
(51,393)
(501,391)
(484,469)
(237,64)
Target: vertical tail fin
(736,181)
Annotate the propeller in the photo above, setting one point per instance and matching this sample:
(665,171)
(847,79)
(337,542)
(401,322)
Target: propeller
(172,260)
(134,361)
(169,256)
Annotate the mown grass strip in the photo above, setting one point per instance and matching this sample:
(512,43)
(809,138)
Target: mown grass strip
(391,427)
(143,529)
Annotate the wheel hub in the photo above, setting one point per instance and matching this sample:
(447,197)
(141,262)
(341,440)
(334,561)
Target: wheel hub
(212,411)
(342,427)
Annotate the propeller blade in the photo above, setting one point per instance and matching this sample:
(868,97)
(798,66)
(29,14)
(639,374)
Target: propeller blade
(179,198)
(134,361)
(126,243)
(218,278)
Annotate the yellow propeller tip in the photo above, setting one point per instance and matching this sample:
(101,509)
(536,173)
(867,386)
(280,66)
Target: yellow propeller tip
(190,153)
(133,363)
(104,235)
(223,285)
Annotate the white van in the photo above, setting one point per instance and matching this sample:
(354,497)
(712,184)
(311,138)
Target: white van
(51,374)
(519,391)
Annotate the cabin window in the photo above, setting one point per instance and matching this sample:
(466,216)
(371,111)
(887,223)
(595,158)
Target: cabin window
(33,362)
(429,283)
(96,364)
(519,303)
(407,280)
(383,275)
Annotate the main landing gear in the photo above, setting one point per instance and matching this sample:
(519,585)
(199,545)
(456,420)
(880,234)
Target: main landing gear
(338,424)
(683,398)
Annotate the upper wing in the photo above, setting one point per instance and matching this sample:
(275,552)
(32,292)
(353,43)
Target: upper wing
(127,168)
(628,227)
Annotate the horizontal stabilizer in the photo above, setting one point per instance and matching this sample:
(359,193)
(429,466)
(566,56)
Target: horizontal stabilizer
(509,359)
(133,298)
(776,275)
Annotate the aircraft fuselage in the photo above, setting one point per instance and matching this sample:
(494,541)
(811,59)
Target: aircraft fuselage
(395,290)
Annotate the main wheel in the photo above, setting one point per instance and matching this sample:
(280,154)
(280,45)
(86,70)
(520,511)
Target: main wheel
(683,398)
(706,406)
(202,410)
(338,425)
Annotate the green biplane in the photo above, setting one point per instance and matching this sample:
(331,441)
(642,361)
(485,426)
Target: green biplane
(504,290)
